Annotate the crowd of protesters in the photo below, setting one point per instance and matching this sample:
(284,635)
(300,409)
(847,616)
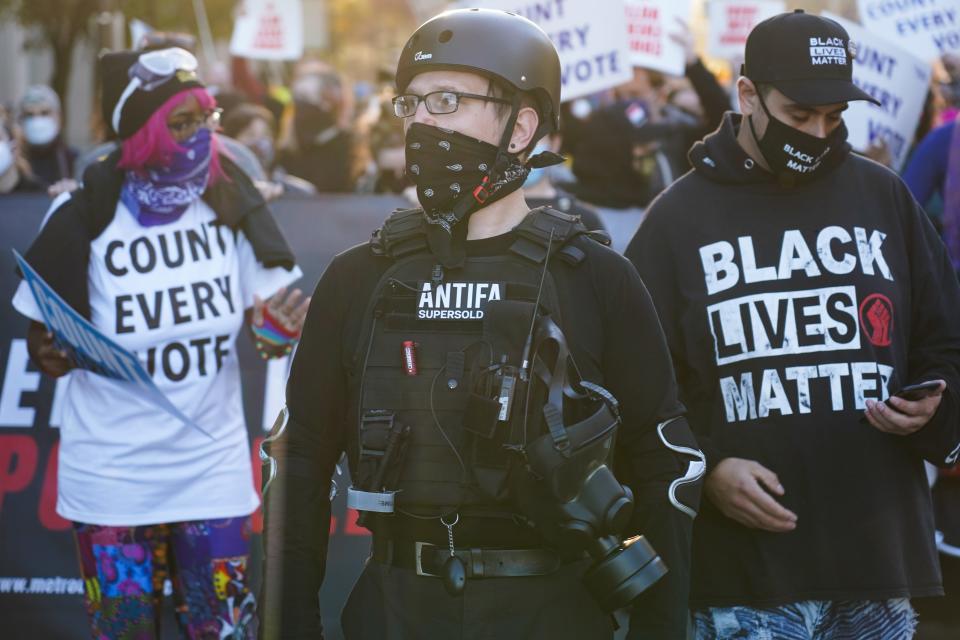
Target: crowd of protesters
(319,133)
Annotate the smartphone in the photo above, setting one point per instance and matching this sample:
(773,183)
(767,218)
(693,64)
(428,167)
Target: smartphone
(919,391)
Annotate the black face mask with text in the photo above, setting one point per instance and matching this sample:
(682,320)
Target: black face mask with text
(793,156)
(455,175)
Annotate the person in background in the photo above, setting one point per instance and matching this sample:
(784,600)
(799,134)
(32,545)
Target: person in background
(933,176)
(541,190)
(626,153)
(15,173)
(321,149)
(386,149)
(254,127)
(50,157)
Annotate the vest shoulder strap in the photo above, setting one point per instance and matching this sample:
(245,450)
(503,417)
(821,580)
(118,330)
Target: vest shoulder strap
(403,233)
(534,236)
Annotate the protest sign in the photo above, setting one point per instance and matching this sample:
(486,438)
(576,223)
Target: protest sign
(649,26)
(897,79)
(590,38)
(268,30)
(88,348)
(138,30)
(927,28)
(731,21)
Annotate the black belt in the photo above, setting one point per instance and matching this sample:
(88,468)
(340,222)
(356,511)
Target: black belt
(427,559)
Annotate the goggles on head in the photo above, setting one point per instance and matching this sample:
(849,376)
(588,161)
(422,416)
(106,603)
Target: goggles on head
(151,70)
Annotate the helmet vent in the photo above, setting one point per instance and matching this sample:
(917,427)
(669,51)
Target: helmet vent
(445,36)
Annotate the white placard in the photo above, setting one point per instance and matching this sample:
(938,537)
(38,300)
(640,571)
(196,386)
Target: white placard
(927,28)
(268,30)
(649,25)
(731,21)
(138,29)
(590,38)
(898,79)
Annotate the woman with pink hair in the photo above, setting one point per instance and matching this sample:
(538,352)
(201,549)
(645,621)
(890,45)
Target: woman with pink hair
(169,250)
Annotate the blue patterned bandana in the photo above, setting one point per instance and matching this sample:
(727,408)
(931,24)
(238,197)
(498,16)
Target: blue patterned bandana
(162,194)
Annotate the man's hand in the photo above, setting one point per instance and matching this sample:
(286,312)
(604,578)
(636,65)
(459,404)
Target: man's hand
(45,353)
(741,490)
(902,417)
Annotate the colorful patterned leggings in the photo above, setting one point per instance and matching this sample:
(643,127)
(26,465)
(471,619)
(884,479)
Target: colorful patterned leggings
(124,570)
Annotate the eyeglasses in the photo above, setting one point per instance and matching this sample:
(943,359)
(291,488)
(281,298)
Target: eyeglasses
(190,122)
(436,102)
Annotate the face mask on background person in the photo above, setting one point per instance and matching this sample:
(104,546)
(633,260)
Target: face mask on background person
(791,153)
(537,175)
(40,130)
(263,149)
(6,157)
(310,120)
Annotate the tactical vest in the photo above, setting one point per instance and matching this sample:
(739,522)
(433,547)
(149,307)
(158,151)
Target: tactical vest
(438,395)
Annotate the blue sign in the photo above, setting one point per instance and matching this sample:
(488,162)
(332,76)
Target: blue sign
(87,348)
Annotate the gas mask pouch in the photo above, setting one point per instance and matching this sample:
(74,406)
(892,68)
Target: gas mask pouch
(567,488)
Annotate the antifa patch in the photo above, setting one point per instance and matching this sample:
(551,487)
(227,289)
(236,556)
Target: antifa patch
(457,300)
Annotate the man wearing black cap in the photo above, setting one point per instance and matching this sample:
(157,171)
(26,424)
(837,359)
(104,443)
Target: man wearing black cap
(798,304)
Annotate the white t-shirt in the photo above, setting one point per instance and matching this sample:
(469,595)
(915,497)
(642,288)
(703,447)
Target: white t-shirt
(175,294)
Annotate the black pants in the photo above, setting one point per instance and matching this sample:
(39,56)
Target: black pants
(390,603)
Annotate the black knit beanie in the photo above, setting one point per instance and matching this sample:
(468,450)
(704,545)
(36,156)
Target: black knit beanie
(117,71)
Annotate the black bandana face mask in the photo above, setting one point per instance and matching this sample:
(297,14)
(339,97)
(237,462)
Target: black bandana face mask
(794,156)
(456,174)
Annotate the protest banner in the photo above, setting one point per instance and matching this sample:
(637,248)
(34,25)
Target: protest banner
(927,28)
(731,21)
(895,77)
(649,26)
(88,348)
(268,30)
(590,38)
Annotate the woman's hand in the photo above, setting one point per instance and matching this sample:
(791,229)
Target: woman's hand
(282,317)
(45,353)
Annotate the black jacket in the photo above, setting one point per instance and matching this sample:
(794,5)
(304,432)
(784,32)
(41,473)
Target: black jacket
(615,339)
(784,309)
(60,253)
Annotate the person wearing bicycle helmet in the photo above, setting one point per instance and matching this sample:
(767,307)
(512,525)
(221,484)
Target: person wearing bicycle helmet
(169,250)
(470,350)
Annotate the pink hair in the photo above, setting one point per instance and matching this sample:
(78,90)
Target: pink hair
(153,145)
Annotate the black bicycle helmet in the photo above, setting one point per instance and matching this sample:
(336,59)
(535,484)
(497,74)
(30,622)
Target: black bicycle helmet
(492,43)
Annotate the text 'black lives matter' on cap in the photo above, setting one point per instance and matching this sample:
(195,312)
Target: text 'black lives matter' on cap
(807,58)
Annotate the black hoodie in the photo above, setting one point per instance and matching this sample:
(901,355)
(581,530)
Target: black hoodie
(784,309)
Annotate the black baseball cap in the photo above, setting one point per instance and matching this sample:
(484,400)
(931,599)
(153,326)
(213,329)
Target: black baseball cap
(807,58)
